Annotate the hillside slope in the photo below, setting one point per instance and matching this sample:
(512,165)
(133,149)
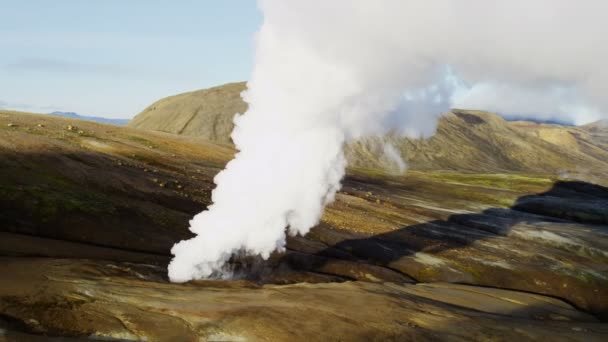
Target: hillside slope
(480,141)
(466,140)
(204,113)
(599,132)
(109,121)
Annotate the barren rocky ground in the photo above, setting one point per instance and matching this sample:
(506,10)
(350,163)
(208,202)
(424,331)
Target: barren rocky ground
(89,212)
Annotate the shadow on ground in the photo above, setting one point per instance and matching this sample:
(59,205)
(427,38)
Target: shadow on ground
(566,201)
(552,243)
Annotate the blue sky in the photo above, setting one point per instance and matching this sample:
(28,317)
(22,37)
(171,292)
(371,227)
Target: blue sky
(114,57)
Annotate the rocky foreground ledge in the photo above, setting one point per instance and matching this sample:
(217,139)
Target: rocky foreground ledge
(96,299)
(88,216)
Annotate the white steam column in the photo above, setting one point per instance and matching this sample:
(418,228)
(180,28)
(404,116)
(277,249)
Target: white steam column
(327,72)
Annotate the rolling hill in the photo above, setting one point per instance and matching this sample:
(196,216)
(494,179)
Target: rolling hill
(466,140)
(204,113)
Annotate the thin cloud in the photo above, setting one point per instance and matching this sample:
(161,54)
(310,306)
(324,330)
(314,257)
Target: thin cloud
(68,68)
(63,66)
(27,107)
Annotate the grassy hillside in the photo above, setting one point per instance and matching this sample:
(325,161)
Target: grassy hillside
(480,141)
(472,141)
(85,181)
(204,113)
(598,132)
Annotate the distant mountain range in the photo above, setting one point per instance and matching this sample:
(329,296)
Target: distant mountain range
(117,122)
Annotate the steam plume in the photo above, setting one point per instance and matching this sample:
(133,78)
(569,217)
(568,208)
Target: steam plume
(327,72)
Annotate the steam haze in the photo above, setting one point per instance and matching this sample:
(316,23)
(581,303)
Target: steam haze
(327,72)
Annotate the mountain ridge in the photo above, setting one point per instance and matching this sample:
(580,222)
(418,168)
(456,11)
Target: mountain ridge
(466,140)
(73,115)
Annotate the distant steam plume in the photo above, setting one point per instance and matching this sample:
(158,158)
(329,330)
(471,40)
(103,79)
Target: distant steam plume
(327,72)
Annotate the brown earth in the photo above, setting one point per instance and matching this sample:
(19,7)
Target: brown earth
(88,215)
